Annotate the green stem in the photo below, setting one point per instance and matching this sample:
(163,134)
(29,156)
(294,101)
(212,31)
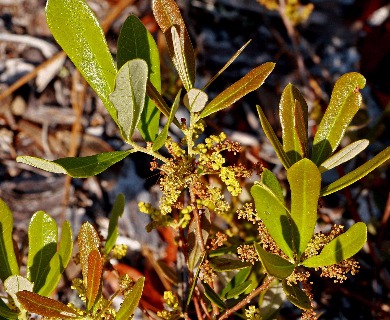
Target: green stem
(148,151)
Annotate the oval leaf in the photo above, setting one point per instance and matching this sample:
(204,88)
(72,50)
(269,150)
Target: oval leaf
(344,103)
(269,180)
(43,306)
(358,173)
(293,112)
(95,269)
(269,132)
(76,29)
(16,283)
(195,100)
(8,263)
(128,97)
(213,296)
(42,246)
(250,82)
(340,248)
(131,301)
(77,167)
(345,154)
(275,217)
(305,183)
(135,41)
(237,280)
(236,291)
(275,265)
(168,17)
(220,264)
(88,240)
(116,212)
(296,295)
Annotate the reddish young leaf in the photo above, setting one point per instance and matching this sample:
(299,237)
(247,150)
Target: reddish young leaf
(95,268)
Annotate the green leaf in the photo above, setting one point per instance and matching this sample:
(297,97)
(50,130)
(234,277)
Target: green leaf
(340,248)
(195,100)
(345,154)
(128,97)
(135,41)
(168,17)
(275,265)
(6,313)
(250,82)
(88,240)
(131,301)
(77,30)
(162,137)
(358,173)
(271,301)
(220,264)
(8,263)
(275,217)
(236,291)
(344,103)
(213,296)
(269,180)
(46,307)
(77,167)
(59,261)
(42,246)
(269,132)
(237,280)
(293,112)
(305,183)
(116,212)
(16,283)
(95,269)
(296,295)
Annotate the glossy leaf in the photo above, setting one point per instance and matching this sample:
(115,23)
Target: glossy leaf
(213,296)
(162,137)
(269,132)
(275,217)
(88,240)
(296,295)
(42,246)
(345,154)
(6,313)
(340,248)
(250,82)
(344,103)
(8,263)
(46,307)
(236,291)
(305,183)
(59,261)
(128,97)
(95,269)
(77,30)
(220,264)
(16,283)
(269,180)
(131,301)
(358,173)
(168,17)
(240,277)
(275,265)
(195,100)
(77,167)
(116,212)
(135,41)
(293,112)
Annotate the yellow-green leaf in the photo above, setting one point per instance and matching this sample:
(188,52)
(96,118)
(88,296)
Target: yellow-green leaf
(128,97)
(131,301)
(305,183)
(195,100)
(344,103)
(269,132)
(275,265)
(293,112)
(77,30)
(95,269)
(340,248)
(296,295)
(42,246)
(116,212)
(8,263)
(46,307)
(358,173)
(250,82)
(77,167)
(237,280)
(269,180)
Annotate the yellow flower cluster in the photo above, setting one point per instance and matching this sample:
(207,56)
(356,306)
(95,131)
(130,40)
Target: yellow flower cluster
(119,251)
(252,313)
